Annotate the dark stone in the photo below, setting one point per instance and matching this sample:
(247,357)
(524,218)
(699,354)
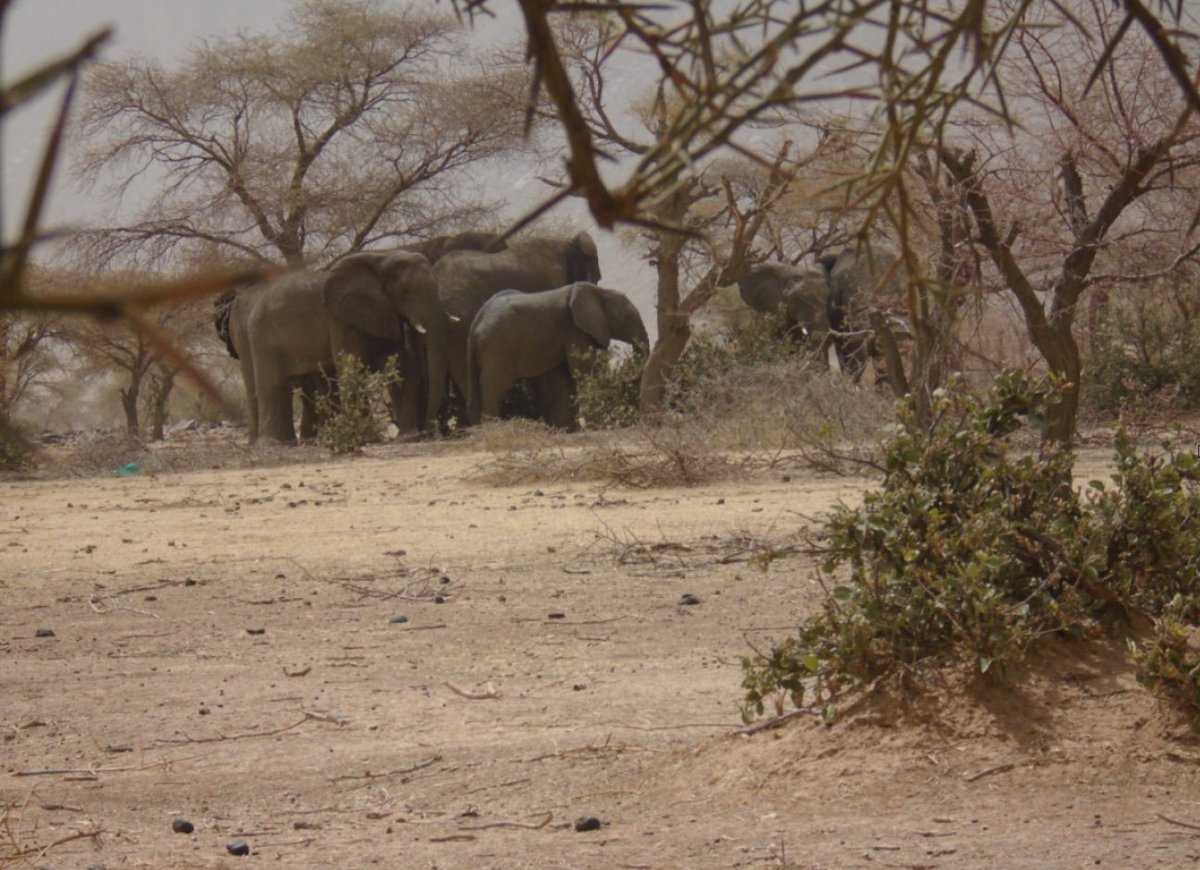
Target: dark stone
(44,632)
(556,616)
(688,599)
(237,847)
(398,620)
(587,823)
(182,826)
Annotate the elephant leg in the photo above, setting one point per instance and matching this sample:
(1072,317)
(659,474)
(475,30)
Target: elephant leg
(494,384)
(275,409)
(251,399)
(556,398)
(408,396)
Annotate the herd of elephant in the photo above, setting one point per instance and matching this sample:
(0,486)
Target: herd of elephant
(468,316)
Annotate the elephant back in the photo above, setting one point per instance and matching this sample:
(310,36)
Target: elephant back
(854,285)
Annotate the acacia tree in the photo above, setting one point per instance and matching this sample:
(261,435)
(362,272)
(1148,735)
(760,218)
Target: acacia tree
(1059,204)
(348,126)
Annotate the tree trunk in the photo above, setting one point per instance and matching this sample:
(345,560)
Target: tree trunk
(162,394)
(129,402)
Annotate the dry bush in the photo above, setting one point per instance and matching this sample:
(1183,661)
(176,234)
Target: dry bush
(749,419)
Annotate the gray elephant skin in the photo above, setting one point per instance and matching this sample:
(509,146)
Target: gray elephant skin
(862,283)
(367,304)
(532,335)
(799,295)
(468,279)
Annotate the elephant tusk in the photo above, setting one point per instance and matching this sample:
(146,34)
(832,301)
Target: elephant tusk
(419,328)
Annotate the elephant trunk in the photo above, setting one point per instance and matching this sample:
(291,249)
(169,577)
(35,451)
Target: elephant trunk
(432,327)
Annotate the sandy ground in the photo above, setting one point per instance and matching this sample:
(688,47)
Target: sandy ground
(384,661)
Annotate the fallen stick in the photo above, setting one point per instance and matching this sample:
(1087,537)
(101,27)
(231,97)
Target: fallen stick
(486,695)
(999,768)
(777,721)
(1179,822)
(398,770)
(532,826)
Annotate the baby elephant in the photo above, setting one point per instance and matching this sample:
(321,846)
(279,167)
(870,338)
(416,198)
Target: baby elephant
(531,335)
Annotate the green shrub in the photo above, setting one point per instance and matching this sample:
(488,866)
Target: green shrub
(608,392)
(970,551)
(1149,349)
(15,454)
(357,415)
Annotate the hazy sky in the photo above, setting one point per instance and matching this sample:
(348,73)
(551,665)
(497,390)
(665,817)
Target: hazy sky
(38,30)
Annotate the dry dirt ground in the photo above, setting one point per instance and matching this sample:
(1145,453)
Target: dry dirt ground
(387,661)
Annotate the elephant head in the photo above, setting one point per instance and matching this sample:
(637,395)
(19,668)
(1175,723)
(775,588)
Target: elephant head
(385,299)
(799,295)
(604,315)
(862,284)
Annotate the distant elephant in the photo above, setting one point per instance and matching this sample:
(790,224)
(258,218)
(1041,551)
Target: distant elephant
(467,279)
(532,335)
(366,304)
(800,295)
(864,285)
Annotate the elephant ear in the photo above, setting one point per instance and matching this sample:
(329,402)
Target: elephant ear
(761,287)
(354,297)
(587,312)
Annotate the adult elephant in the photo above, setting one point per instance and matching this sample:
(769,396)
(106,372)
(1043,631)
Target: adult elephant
(799,295)
(533,335)
(864,288)
(366,304)
(467,279)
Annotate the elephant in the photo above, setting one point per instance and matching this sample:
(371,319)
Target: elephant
(366,304)
(864,284)
(467,279)
(532,335)
(800,295)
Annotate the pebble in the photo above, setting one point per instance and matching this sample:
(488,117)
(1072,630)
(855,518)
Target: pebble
(688,599)
(44,632)
(398,620)
(182,826)
(237,847)
(587,823)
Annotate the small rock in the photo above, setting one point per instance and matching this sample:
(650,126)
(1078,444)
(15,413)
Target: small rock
(237,847)
(556,615)
(44,632)
(720,501)
(256,631)
(398,620)
(579,687)
(182,826)
(445,578)
(439,599)
(688,599)
(587,823)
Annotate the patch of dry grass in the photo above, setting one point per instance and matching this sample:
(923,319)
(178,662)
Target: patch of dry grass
(753,419)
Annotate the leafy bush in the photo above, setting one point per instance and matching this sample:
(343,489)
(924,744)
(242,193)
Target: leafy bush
(357,415)
(1148,350)
(970,551)
(608,389)
(15,455)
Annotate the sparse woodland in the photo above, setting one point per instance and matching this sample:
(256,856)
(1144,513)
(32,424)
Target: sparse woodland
(1016,185)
